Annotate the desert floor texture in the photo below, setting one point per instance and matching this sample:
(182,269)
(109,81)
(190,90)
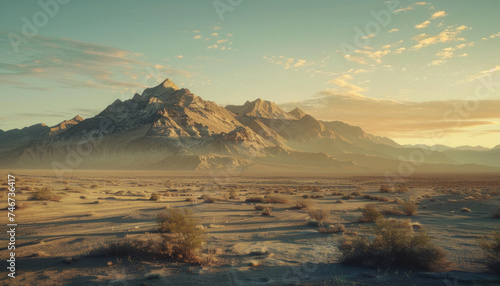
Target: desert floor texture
(98,207)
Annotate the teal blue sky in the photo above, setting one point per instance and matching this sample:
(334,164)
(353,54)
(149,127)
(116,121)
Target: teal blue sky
(406,65)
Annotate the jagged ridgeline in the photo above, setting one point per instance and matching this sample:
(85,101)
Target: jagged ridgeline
(167,127)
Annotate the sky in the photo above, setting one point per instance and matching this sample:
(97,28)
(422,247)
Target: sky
(417,72)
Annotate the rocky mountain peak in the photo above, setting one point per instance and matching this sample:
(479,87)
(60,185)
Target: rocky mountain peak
(260,108)
(298,113)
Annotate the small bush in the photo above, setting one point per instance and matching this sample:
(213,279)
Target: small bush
(370,214)
(233,195)
(391,211)
(395,244)
(255,199)
(267,211)
(402,189)
(409,208)
(348,197)
(386,189)
(277,199)
(333,229)
(491,249)
(129,248)
(301,204)
(184,238)
(319,215)
(45,194)
(155,197)
(259,207)
(209,199)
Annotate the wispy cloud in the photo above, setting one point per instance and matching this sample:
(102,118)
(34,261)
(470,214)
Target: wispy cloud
(423,25)
(396,118)
(448,35)
(72,63)
(438,14)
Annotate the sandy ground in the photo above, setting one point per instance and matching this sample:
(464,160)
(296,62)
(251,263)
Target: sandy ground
(99,207)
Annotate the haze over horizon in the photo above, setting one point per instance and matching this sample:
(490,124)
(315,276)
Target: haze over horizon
(412,78)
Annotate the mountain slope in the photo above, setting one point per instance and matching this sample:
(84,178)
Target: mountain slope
(168,127)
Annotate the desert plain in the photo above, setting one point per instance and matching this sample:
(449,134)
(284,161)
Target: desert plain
(55,239)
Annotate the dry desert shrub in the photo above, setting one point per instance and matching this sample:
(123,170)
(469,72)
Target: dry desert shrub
(491,249)
(370,213)
(302,204)
(386,189)
(155,197)
(395,244)
(409,208)
(132,248)
(255,199)
(233,195)
(277,199)
(333,229)
(319,215)
(209,199)
(45,194)
(259,207)
(267,211)
(183,238)
(401,189)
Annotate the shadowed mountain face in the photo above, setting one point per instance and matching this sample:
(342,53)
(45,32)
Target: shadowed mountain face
(168,127)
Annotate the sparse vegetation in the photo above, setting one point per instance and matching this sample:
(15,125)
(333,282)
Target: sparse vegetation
(409,208)
(301,204)
(332,229)
(255,199)
(277,199)
(267,211)
(209,199)
(386,189)
(491,249)
(155,197)
(45,194)
(395,244)
(259,207)
(183,238)
(370,213)
(319,215)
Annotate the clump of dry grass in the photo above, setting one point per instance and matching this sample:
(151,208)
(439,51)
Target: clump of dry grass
(267,211)
(409,208)
(395,244)
(302,204)
(348,197)
(233,195)
(491,249)
(155,197)
(370,213)
(391,211)
(386,189)
(319,215)
(259,207)
(255,199)
(45,194)
(132,248)
(209,199)
(277,199)
(402,189)
(333,229)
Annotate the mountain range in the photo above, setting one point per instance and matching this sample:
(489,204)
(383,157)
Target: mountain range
(167,127)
